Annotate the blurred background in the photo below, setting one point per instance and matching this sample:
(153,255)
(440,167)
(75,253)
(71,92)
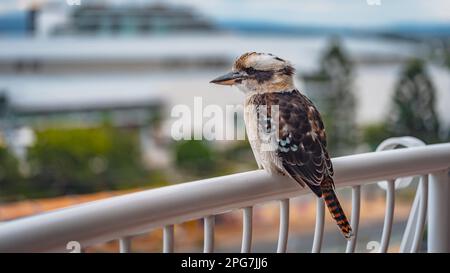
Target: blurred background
(87,88)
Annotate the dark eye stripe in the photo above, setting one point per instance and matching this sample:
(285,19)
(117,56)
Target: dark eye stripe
(288,70)
(251,70)
(262,76)
(259,75)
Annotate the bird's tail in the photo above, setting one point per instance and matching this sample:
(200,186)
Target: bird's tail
(332,202)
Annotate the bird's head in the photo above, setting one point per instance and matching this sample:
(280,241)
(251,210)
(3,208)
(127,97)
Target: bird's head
(259,73)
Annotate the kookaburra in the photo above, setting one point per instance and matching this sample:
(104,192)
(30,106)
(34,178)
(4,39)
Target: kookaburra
(298,146)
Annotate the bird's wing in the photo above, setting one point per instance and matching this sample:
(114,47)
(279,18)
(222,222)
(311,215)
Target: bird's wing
(302,140)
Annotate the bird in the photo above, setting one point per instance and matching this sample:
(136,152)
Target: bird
(284,127)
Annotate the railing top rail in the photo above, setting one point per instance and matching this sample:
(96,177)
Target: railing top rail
(134,213)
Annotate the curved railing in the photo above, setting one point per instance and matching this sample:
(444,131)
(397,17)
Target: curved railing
(125,216)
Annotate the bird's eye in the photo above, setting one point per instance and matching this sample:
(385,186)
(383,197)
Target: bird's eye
(250,70)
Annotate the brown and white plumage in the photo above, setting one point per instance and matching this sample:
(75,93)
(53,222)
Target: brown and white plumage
(284,127)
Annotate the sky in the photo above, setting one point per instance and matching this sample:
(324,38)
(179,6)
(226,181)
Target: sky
(348,13)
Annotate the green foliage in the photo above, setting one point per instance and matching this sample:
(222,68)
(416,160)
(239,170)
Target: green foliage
(84,160)
(9,172)
(413,105)
(239,157)
(196,157)
(240,151)
(374,134)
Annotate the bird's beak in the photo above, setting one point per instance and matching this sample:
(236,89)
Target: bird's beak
(228,79)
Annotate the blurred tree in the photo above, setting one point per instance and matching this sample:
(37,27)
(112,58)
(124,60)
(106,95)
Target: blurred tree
(442,57)
(10,179)
(195,157)
(84,160)
(239,156)
(374,134)
(338,106)
(413,105)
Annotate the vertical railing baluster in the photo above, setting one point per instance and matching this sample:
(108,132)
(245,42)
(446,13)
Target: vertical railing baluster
(438,214)
(411,224)
(125,244)
(247,217)
(356,207)
(284,226)
(422,217)
(388,217)
(168,239)
(320,223)
(208,243)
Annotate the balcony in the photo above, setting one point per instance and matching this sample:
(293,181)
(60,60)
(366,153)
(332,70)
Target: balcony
(121,218)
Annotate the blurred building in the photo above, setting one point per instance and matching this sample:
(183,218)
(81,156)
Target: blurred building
(103,19)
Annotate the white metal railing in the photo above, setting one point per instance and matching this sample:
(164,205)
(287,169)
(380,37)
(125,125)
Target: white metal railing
(120,218)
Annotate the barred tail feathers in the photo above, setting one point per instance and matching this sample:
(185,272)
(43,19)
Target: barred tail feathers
(336,211)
